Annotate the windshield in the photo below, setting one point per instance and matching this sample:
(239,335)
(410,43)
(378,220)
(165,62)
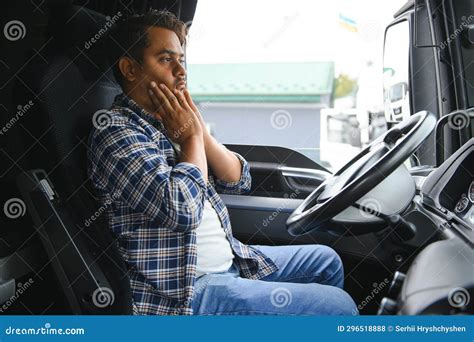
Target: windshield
(307,76)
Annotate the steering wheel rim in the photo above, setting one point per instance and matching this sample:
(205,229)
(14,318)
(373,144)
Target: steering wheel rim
(361,174)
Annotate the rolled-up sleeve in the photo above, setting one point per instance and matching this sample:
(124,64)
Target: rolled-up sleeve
(239,187)
(129,165)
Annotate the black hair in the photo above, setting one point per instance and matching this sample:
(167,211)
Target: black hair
(129,36)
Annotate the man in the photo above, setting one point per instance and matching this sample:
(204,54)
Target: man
(159,168)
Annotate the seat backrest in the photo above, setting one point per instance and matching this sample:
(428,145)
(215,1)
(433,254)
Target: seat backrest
(76,83)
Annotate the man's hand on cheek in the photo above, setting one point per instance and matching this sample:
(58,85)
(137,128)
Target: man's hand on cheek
(208,139)
(177,115)
(196,111)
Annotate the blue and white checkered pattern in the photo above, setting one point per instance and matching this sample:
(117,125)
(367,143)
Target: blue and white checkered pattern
(154,204)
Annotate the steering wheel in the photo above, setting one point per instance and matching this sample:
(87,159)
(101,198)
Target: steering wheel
(360,175)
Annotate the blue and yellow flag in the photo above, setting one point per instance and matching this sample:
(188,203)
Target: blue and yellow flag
(347,23)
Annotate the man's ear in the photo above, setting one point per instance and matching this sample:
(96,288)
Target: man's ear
(128,68)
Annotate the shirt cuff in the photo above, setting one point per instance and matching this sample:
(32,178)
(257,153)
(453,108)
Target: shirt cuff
(243,184)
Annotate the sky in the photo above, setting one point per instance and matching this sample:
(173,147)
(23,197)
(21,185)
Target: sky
(252,31)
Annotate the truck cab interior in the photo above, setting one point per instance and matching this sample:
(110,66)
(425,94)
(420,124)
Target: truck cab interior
(400,213)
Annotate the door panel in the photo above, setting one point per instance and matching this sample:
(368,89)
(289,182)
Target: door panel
(281,179)
(279,172)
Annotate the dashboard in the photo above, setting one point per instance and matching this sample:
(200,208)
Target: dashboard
(444,266)
(449,190)
(464,208)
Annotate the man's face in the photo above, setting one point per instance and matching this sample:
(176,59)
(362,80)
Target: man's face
(163,62)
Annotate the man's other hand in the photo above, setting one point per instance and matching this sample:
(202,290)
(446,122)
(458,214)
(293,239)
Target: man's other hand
(177,115)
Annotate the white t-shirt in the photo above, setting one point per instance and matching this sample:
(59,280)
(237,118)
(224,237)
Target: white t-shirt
(214,253)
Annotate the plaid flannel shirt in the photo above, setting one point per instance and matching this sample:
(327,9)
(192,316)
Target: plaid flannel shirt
(154,203)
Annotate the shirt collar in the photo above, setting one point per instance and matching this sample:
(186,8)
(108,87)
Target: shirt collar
(123,100)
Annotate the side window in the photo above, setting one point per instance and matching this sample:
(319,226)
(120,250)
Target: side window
(396,72)
(308,77)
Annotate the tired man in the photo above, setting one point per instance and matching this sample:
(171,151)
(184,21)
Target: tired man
(159,169)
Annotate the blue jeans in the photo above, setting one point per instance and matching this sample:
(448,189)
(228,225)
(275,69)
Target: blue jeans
(309,282)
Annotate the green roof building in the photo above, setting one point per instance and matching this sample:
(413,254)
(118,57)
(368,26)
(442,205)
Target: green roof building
(262,82)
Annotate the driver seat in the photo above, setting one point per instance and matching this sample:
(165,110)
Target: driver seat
(73,228)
